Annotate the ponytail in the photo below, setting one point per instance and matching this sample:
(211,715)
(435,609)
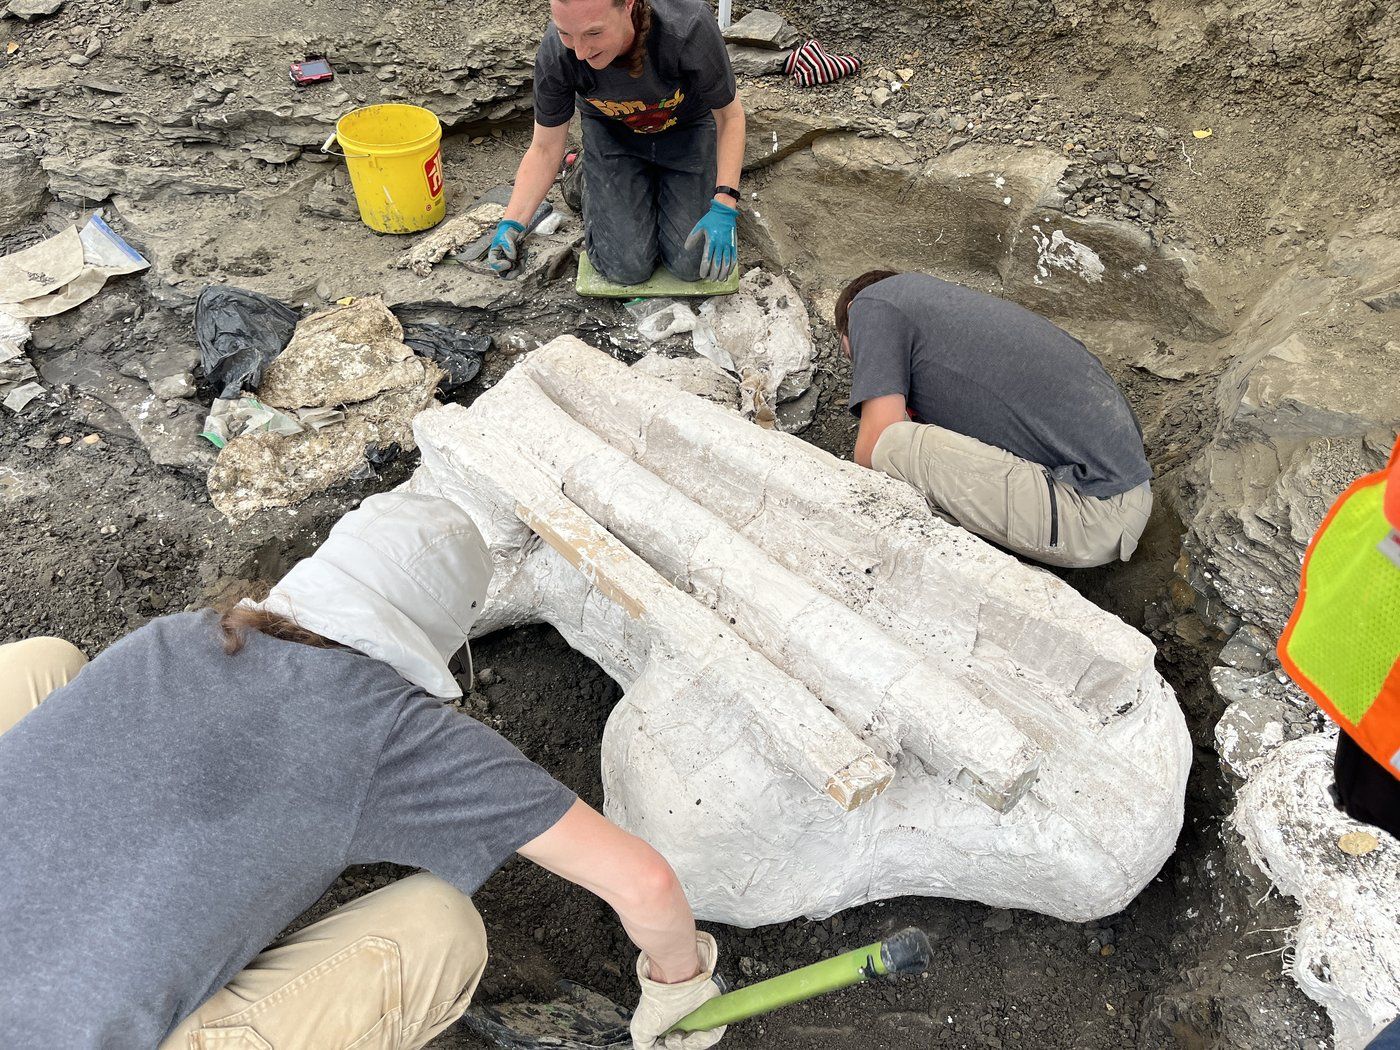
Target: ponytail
(641,26)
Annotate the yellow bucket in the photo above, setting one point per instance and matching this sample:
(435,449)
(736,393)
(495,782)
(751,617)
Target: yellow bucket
(394,153)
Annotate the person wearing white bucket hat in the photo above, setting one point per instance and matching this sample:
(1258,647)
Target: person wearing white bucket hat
(171,806)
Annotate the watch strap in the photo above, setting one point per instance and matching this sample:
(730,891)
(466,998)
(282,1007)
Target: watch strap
(730,190)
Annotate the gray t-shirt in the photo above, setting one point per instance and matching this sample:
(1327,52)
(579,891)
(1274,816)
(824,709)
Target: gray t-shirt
(167,813)
(994,371)
(686,75)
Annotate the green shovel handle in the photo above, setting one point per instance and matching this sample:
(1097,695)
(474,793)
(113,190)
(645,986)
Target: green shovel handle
(904,952)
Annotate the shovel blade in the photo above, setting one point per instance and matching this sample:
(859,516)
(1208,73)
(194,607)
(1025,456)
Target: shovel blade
(577,1019)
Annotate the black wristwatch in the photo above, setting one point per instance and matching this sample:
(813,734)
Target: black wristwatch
(728,191)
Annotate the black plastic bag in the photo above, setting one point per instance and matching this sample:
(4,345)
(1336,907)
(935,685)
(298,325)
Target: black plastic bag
(239,334)
(457,353)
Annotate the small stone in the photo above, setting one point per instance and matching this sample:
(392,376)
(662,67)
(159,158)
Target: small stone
(880,96)
(999,922)
(172,387)
(64,440)
(763,29)
(1357,843)
(32,9)
(1106,950)
(958,122)
(93,439)
(487,676)
(538,934)
(78,60)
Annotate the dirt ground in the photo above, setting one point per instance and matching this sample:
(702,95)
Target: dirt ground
(98,537)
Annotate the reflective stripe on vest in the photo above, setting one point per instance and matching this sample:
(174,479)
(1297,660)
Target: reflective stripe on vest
(1342,643)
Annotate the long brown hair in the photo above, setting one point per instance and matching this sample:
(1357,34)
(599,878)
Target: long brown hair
(236,622)
(641,26)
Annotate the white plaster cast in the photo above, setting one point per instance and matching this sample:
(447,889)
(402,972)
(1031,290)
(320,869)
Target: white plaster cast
(831,696)
(1346,952)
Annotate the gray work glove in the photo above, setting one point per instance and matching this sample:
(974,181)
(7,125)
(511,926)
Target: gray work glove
(662,1005)
(504,252)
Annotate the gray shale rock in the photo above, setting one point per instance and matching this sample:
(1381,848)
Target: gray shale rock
(29,10)
(22,188)
(763,29)
(756,61)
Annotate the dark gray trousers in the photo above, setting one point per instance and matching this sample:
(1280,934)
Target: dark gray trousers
(643,194)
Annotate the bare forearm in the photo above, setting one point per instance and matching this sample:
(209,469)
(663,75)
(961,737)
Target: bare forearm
(664,928)
(635,880)
(729,145)
(535,176)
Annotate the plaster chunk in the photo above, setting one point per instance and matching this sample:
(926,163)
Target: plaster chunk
(1346,952)
(830,695)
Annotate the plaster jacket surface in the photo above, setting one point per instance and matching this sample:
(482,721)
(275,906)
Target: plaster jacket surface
(830,695)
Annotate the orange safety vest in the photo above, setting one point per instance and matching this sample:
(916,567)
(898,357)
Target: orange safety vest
(1342,643)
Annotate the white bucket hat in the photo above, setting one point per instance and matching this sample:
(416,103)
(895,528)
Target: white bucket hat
(401,578)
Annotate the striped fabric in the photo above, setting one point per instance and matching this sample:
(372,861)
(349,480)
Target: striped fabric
(810,65)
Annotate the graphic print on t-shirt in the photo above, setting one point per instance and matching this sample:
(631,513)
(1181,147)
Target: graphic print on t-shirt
(642,117)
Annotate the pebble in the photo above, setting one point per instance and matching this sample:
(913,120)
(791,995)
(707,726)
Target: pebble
(999,922)
(78,60)
(487,676)
(958,122)
(171,387)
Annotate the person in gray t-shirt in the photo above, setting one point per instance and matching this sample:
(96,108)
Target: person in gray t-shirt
(1006,423)
(663,138)
(201,783)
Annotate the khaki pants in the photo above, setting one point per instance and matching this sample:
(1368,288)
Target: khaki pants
(1011,501)
(386,972)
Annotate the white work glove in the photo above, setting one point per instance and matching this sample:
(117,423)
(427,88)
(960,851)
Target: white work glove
(662,1005)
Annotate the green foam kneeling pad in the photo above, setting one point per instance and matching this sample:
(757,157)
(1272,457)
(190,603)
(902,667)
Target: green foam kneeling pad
(662,284)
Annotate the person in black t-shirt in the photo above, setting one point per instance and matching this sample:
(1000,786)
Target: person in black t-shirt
(663,138)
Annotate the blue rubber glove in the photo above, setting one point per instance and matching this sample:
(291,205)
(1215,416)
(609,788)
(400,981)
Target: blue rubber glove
(717,227)
(504,252)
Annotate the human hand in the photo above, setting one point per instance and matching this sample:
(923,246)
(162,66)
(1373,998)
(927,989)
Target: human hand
(721,254)
(504,252)
(662,1005)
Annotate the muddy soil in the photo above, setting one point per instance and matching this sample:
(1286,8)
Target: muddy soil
(1300,101)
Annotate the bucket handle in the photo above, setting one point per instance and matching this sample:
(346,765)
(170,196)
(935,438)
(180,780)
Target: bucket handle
(326,146)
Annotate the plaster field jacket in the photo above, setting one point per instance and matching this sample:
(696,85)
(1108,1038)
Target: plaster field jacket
(1342,643)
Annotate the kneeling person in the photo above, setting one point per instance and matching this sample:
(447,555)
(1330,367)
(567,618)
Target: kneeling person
(202,782)
(1006,423)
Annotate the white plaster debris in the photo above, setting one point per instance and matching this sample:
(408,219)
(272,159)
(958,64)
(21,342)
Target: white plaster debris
(831,696)
(763,336)
(1347,946)
(1062,253)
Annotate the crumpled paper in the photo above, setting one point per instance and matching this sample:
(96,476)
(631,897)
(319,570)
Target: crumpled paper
(64,271)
